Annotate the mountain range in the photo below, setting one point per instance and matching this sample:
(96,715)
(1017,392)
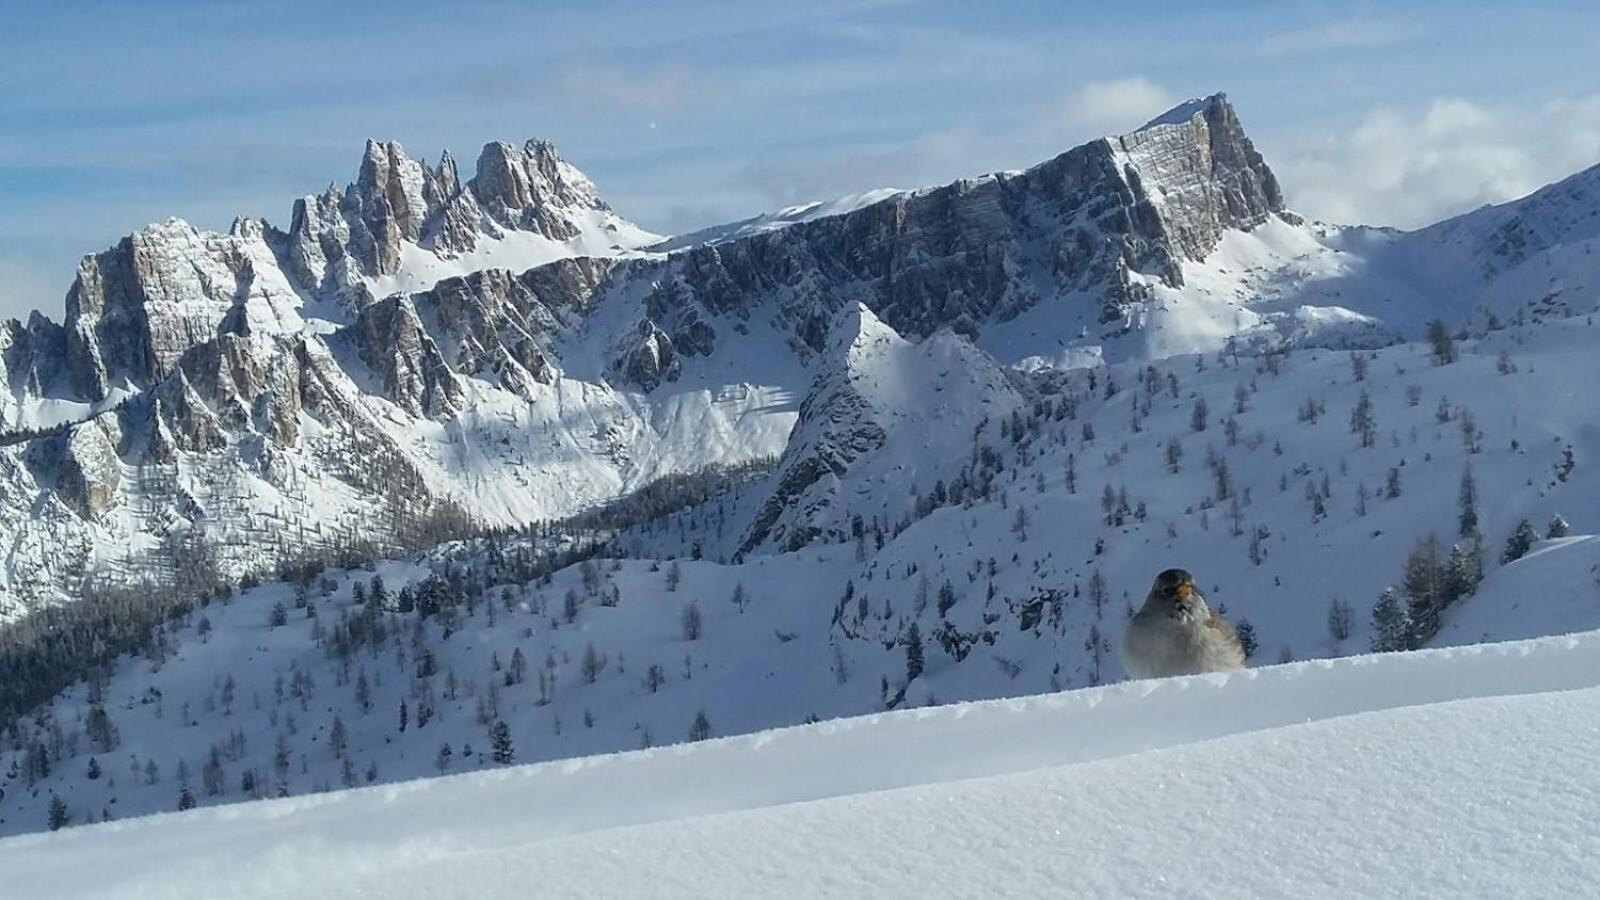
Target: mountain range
(416,356)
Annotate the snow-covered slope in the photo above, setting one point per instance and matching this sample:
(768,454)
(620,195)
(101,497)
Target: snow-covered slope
(1013,567)
(772,221)
(883,416)
(1446,772)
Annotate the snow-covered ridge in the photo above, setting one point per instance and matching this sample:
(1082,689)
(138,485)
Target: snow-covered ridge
(783,218)
(1277,738)
(1184,112)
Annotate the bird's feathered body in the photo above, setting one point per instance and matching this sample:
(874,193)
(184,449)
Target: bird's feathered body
(1176,633)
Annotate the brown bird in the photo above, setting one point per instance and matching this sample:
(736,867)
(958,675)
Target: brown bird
(1176,633)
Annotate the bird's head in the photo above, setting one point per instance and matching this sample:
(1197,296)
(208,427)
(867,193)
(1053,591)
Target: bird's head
(1174,594)
(1174,586)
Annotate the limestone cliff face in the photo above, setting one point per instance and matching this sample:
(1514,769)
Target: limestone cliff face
(276,383)
(978,251)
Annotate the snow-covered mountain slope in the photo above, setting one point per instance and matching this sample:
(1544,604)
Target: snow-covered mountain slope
(889,414)
(1012,571)
(789,215)
(1268,776)
(416,356)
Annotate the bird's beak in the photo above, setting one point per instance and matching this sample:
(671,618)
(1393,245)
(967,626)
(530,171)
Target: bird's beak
(1184,590)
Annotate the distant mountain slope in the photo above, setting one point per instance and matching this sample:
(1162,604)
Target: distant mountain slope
(1109,790)
(1049,502)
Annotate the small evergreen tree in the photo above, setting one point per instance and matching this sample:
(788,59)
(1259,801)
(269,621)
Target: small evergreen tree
(1391,628)
(1424,582)
(914,657)
(338,739)
(60,816)
(1247,638)
(1522,539)
(1442,344)
(1467,504)
(500,742)
(1558,528)
(1465,568)
(1362,423)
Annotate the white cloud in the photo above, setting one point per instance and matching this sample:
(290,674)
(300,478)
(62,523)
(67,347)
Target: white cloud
(1413,167)
(1100,108)
(1353,34)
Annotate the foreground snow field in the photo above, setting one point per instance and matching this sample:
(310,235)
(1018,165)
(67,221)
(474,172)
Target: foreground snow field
(1444,772)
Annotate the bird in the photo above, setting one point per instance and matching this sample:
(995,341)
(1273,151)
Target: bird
(1176,633)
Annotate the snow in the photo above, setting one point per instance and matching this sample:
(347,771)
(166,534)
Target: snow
(772,221)
(799,651)
(1183,112)
(600,233)
(1446,772)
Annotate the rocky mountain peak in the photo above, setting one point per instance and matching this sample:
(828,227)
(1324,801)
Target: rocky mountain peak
(1198,174)
(532,188)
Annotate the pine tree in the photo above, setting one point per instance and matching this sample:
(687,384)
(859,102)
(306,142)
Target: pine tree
(1199,415)
(1467,504)
(914,657)
(1465,568)
(1247,638)
(1391,628)
(60,816)
(1424,582)
(690,621)
(338,739)
(700,728)
(500,741)
(1441,342)
(1521,541)
(1358,365)
(1558,528)
(1362,422)
(592,663)
(1339,616)
(1097,592)
(185,799)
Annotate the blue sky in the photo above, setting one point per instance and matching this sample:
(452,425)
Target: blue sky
(686,114)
